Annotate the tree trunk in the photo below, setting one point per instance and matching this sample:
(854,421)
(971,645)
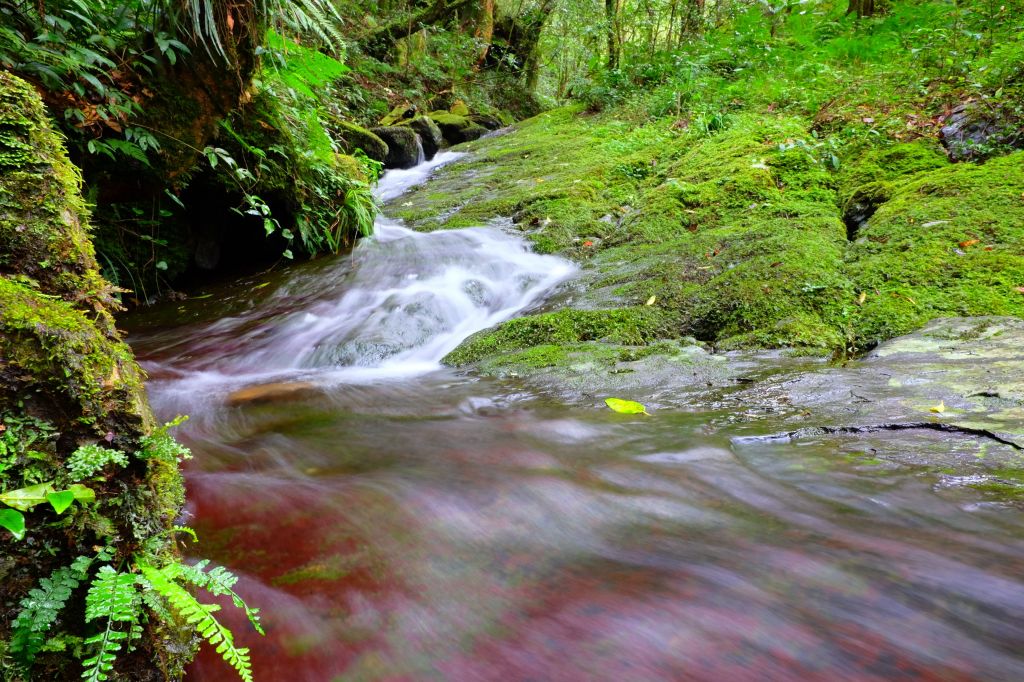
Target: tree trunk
(863,8)
(380,42)
(611,17)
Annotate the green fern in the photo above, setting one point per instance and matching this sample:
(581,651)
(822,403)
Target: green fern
(113,596)
(219,581)
(200,616)
(40,608)
(161,445)
(87,460)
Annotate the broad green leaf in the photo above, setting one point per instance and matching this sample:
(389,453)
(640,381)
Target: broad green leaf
(625,406)
(13,521)
(82,493)
(60,500)
(24,499)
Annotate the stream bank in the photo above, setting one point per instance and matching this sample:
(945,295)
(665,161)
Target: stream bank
(398,519)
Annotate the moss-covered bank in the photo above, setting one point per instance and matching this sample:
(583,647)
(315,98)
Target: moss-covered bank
(68,380)
(749,233)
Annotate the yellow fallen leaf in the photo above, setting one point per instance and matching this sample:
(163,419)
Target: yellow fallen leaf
(651,300)
(625,406)
(863,297)
(941,407)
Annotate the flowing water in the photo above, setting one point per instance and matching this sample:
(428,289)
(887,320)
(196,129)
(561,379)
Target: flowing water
(396,520)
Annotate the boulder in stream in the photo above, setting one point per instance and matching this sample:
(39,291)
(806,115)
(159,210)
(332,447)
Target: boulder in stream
(430,134)
(457,129)
(353,137)
(403,146)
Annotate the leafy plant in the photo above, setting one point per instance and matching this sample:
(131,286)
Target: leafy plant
(87,460)
(199,615)
(113,597)
(39,610)
(161,444)
(24,499)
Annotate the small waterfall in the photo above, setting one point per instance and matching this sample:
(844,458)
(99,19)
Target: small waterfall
(421,156)
(395,307)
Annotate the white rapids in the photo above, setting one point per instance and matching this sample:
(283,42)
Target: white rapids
(394,308)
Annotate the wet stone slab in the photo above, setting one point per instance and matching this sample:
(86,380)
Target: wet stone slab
(950,396)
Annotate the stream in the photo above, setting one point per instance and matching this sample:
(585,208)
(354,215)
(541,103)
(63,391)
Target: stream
(398,520)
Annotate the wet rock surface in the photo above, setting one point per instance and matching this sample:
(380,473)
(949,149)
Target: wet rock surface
(972,129)
(948,396)
(430,134)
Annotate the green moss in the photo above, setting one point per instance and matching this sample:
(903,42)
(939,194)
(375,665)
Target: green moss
(949,242)
(43,220)
(630,326)
(63,364)
(890,162)
(456,129)
(738,234)
(353,137)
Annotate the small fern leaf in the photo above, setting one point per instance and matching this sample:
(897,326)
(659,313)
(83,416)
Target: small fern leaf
(113,596)
(199,615)
(39,610)
(219,581)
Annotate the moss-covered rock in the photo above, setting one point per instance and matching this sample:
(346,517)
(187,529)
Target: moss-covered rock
(948,242)
(63,365)
(457,129)
(430,135)
(738,234)
(43,231)
(353,137)
(629,326)
(398,113)
(403,146)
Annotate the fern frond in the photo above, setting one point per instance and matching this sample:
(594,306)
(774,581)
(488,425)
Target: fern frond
(113,596)
(40,608)
(219,581)
(200,616)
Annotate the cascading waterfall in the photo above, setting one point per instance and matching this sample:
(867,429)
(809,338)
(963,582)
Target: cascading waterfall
(394,308)
(421,156)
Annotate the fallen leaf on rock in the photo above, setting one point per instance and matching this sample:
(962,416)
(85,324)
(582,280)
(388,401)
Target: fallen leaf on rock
(941,407)
(863,297)
(968,243)
(625,406)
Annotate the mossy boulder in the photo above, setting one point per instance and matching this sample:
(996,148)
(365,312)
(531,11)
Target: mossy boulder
(399,113)
(459,108)
(457,129)
(44,236)
(403,146)
(948,242)
(486,121)
(430,135)
(629,326)
(353,137)
(63,364)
